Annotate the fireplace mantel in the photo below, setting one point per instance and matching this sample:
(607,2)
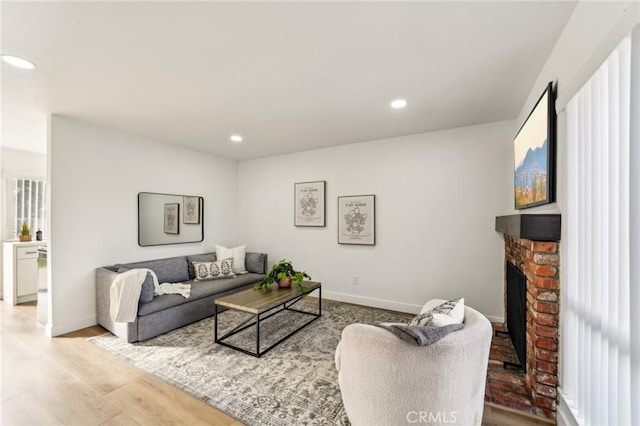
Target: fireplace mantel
(535,227)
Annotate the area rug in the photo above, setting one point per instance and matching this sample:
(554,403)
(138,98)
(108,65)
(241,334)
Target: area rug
(296,383)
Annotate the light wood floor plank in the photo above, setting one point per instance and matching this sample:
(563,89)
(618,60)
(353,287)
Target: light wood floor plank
(121,419)
(26,409)
(103,377)
(72,400)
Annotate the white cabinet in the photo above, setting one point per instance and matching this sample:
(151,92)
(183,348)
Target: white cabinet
(20,271)
(26,271)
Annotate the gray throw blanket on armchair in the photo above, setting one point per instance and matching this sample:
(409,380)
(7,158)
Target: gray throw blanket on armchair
(420,335)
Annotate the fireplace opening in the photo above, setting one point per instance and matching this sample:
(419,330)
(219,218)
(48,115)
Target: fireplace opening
(517,313)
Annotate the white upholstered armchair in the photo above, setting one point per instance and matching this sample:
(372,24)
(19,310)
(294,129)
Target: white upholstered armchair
(387,381)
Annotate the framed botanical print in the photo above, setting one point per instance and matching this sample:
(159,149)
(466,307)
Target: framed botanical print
(172,218)
(191,210)
(357,220)
(309,200)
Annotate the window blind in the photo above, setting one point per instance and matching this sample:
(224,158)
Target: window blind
(29,199)
(600,377)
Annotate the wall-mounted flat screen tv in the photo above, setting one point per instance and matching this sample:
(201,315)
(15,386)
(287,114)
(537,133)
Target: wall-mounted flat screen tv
(535,154)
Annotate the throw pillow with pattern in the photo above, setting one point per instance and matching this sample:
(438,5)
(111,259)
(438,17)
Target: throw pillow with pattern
(213,270)
(446,313)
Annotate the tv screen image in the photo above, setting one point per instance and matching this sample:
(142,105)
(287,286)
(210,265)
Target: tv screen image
(534,150)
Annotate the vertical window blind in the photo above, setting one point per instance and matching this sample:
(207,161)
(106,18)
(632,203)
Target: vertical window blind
(600,377)
(29,198)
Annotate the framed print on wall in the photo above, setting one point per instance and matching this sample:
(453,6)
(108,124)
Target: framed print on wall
(309,201)
(191,212)
(357,220)
(172,218)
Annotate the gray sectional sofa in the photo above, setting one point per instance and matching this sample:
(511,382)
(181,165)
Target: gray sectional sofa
(160,314)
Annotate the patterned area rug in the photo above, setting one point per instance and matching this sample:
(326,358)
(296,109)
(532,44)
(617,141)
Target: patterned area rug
(296,383)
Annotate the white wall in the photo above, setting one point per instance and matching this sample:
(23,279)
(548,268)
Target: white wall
(95,177)
(437,196)
(16,164)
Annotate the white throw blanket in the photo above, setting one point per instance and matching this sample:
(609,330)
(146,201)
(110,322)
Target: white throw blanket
(125,293)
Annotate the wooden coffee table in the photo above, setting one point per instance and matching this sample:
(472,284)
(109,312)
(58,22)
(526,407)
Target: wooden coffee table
(262,304)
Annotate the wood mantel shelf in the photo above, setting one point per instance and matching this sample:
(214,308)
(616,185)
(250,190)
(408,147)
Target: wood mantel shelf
(535,227)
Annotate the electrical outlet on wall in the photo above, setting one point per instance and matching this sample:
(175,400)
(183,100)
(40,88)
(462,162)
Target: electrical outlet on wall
(356,280)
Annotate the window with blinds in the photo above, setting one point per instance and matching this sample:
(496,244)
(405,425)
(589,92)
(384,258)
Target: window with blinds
(29,205)
(600,377)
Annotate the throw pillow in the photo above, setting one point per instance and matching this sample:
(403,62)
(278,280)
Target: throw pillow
(148,289)
(457,313)
(256,263)
(238,255)
(213,270)
(207,257)
(443,314)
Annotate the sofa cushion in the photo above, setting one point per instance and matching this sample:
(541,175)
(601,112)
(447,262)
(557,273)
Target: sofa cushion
(446,313)
(207,257)
(199,290)
(172,270)
(238,254)
(218,270)
(148,289)
(255,262)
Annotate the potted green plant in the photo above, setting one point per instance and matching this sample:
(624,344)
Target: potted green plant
(25,232)
(284,274)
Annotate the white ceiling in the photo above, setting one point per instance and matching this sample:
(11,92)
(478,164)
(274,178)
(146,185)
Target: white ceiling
(287,76)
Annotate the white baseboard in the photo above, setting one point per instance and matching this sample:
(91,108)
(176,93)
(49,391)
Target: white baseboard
(78,324)
(493,318)
(370,301)
(385,304)
(564,415)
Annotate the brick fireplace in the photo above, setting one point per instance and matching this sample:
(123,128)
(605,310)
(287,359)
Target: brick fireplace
(531,245)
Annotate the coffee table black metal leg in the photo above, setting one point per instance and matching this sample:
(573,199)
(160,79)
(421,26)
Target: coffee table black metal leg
(258,335)
(215,328)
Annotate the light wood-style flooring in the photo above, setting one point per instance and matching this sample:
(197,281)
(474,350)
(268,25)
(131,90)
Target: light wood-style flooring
(67,380)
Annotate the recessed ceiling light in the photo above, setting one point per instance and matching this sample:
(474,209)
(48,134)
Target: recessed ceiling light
(398,103)
(236,138)
(18,62)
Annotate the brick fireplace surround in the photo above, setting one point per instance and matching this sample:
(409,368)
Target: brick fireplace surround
(532,246)
(539,262)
